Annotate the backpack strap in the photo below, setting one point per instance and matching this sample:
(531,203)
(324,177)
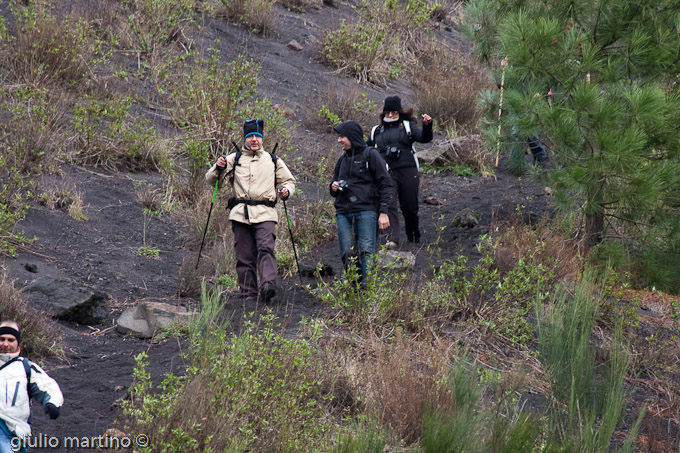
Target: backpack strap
(407,126)
(366,158)
(275,159)
(375,128)
(10,362)
(27,368)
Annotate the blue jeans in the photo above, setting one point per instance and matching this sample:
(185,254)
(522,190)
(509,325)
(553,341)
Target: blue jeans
(358,229)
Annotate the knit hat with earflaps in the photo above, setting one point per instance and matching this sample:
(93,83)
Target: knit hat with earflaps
(392,104)
(253,127)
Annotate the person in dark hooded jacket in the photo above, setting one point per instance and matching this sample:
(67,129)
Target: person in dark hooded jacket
(362,189)
(394,138)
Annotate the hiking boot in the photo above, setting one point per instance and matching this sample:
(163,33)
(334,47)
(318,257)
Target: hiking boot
(267,293)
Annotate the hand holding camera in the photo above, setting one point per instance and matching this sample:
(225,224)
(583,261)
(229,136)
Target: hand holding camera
(339,186)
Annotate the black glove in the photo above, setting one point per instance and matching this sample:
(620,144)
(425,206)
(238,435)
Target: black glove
(52,410)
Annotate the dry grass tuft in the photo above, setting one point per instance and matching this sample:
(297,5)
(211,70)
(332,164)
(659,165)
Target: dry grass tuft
(448,90)
(39,334)
(256,15)
(217,257)
(301,6)
(519,240)
(398,382)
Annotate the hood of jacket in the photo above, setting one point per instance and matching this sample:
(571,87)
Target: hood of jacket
(352,130)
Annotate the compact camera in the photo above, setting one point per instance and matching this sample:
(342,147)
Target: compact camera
(342,185)
(392,152)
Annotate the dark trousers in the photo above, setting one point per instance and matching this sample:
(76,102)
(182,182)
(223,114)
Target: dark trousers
(254,251)
(406,182)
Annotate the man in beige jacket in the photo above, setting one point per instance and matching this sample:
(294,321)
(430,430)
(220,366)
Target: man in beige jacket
(257,178)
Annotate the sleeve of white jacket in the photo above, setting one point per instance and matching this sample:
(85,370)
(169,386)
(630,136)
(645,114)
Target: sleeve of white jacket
(43,388)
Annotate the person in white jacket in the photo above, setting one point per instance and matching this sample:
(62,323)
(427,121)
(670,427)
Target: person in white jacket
(21,380)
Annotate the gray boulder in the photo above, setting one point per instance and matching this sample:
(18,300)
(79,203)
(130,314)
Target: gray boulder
(146,318)
(64,299)
(395,259)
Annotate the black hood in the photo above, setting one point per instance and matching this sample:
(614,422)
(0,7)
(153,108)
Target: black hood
(351,130)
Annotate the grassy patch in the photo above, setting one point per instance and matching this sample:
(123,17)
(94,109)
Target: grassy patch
(260,392)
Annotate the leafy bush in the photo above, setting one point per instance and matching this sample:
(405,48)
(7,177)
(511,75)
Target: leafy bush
(211,103)
(340,103)
(387,40)
(33,126)
(254,391)
(107,135)
(357,49)
(44,51)
(589,396)
(15,191)
(492,302)
(152,25)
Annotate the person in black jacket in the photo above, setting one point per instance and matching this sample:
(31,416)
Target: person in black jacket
(394,138)
(362,189)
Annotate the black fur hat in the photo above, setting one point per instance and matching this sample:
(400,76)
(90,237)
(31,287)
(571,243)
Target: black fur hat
(392,104)
(253,127)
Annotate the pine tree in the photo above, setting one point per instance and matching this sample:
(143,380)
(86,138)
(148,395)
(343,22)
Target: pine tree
(612,121)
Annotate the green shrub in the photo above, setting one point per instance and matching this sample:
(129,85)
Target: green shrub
(153,25)
(358,50)
(45,51)
(588,395)
(493,302)
(388,41)
(106,134)
(15,192)
(33,128)
(253,391)
(211,103)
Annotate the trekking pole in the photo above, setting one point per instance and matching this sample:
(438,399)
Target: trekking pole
(504,63)
(212,203)
(290,230)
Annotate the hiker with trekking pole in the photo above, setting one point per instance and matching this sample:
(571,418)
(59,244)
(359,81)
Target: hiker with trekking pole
(258,179)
